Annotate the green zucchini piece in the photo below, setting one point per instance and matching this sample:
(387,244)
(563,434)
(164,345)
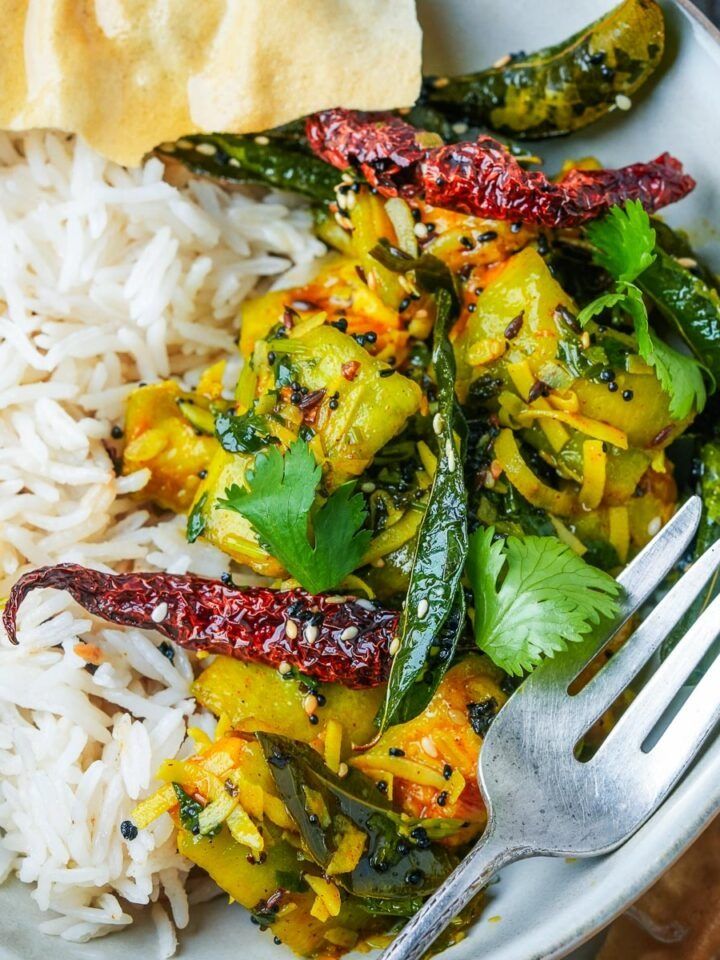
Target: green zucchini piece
(271,161)
(689,304)
(564,87)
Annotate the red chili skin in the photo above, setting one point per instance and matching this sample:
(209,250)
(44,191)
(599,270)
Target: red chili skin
(249,624)
(482,178)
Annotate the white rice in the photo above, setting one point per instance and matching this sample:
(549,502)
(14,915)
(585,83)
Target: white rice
(107,277)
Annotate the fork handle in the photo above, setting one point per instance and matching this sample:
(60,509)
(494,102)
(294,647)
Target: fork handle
(488,856)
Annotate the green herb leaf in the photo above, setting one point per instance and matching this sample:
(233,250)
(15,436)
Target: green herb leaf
(190,811)
(242,434)
(196,520)
(388,857)
(624,241)
(280,504)
(606,302)
(680,375)
(440,551)
(532,597)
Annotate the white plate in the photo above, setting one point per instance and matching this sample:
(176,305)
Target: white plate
(543,908)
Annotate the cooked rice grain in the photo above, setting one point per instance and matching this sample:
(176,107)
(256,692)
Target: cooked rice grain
(107,277)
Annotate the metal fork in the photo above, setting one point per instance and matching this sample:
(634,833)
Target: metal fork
(541,800)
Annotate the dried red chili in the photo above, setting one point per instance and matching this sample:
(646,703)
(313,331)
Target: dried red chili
(335,641)
(482,178)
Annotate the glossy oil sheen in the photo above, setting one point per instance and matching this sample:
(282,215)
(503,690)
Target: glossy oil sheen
(539,909)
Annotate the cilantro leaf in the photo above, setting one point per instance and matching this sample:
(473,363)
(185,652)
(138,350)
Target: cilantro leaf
(680,375)
(280,505)
(624,241)
(532,597)
(605,302)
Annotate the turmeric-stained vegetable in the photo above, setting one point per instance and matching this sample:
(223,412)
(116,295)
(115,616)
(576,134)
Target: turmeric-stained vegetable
(253,697)
(561,88)
(162,436)
(437,750)
(331,638)
(364,403)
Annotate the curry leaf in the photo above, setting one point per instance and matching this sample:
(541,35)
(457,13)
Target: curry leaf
(440,550)
(305,785)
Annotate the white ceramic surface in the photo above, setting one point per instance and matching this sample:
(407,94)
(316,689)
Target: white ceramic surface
(541,909)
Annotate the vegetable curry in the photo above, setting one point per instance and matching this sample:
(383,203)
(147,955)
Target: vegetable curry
(441,446)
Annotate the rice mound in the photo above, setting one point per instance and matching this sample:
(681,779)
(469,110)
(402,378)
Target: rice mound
(108,276)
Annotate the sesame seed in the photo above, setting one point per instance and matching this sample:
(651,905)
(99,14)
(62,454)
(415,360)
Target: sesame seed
(184,144)
(450,454)
(310,704)
(438,423)
(460,128)
(394,646)
(284,668)
(262,141)
(502,61)
(420,231)
(207,149)
(688,262)
(422,608)
(291,629)
(350,200)
(311,633)
(167,147)
(349,633)
(428,745)
(585,340)
(234,162)
(654,526)
(440,82)
(343,770)
(365,604)
(335,598)
(368,487)
(623,102)
(159,613)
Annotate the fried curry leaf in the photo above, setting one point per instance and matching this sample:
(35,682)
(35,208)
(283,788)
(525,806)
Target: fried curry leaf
(280,503)
(441,543)
(392,867)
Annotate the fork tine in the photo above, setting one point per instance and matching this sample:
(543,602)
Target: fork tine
(691,726)
(639,579)
(604,688)
(652,701)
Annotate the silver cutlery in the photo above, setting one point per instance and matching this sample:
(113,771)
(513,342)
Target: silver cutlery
(544,801)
